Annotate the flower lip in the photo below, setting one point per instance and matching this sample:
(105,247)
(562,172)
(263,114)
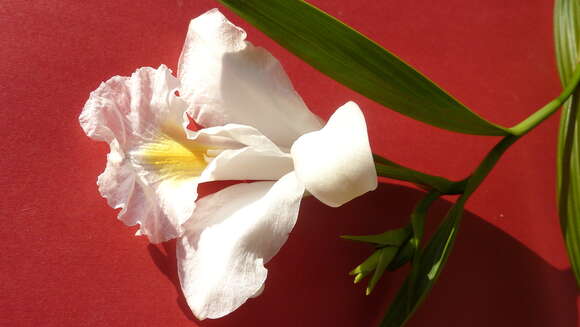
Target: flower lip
(128,113)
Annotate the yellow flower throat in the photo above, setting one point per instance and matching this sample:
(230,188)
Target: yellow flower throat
(172,158)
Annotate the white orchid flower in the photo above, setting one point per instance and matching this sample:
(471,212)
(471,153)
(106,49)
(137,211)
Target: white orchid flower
(256,128)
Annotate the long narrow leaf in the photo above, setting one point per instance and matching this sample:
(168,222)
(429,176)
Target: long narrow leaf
(427,266)
(567,36)
(357,62)
(428,269)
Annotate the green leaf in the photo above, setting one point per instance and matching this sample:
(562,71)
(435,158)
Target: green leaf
(394,237)
(365,268)
(428,263)
(377,263)
(425,270)
(386,256)
(567,36)
(357,62)
(418,217)
(404,255)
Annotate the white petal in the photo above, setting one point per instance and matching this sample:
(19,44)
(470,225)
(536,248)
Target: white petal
(131,108)
(142,120)
(248,164)
(336,164)
(232,135)
(249,154)
(228,80)
(232,235)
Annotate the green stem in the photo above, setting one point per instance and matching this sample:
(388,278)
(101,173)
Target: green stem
(389,169)
(416,287)
(424,274)
(539,116)
(455,214)
(418,217)
(487,165)
(520,130)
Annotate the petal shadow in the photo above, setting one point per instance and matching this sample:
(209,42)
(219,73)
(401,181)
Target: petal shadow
(166,261)
(491,279)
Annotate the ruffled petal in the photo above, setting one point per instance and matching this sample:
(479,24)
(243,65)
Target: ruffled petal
(336,164)
(130,109)
(152,168)
(225,79)
(232,235)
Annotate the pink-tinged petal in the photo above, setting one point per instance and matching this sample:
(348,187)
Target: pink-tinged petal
(130,109)
(232,235)
(152,169)
(336,163)
(226,79)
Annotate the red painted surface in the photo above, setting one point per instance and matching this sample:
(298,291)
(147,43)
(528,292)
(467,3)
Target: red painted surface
(66,260)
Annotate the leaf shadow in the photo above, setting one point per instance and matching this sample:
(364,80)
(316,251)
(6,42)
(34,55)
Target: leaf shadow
(491,279)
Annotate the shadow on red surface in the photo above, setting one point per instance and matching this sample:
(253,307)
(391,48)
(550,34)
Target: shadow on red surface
(490,279)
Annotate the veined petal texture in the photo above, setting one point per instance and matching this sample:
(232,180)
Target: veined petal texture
(233,234)
(226,79)
(152,167)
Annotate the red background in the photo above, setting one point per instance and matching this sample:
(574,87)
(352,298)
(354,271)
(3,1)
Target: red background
(67,261)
